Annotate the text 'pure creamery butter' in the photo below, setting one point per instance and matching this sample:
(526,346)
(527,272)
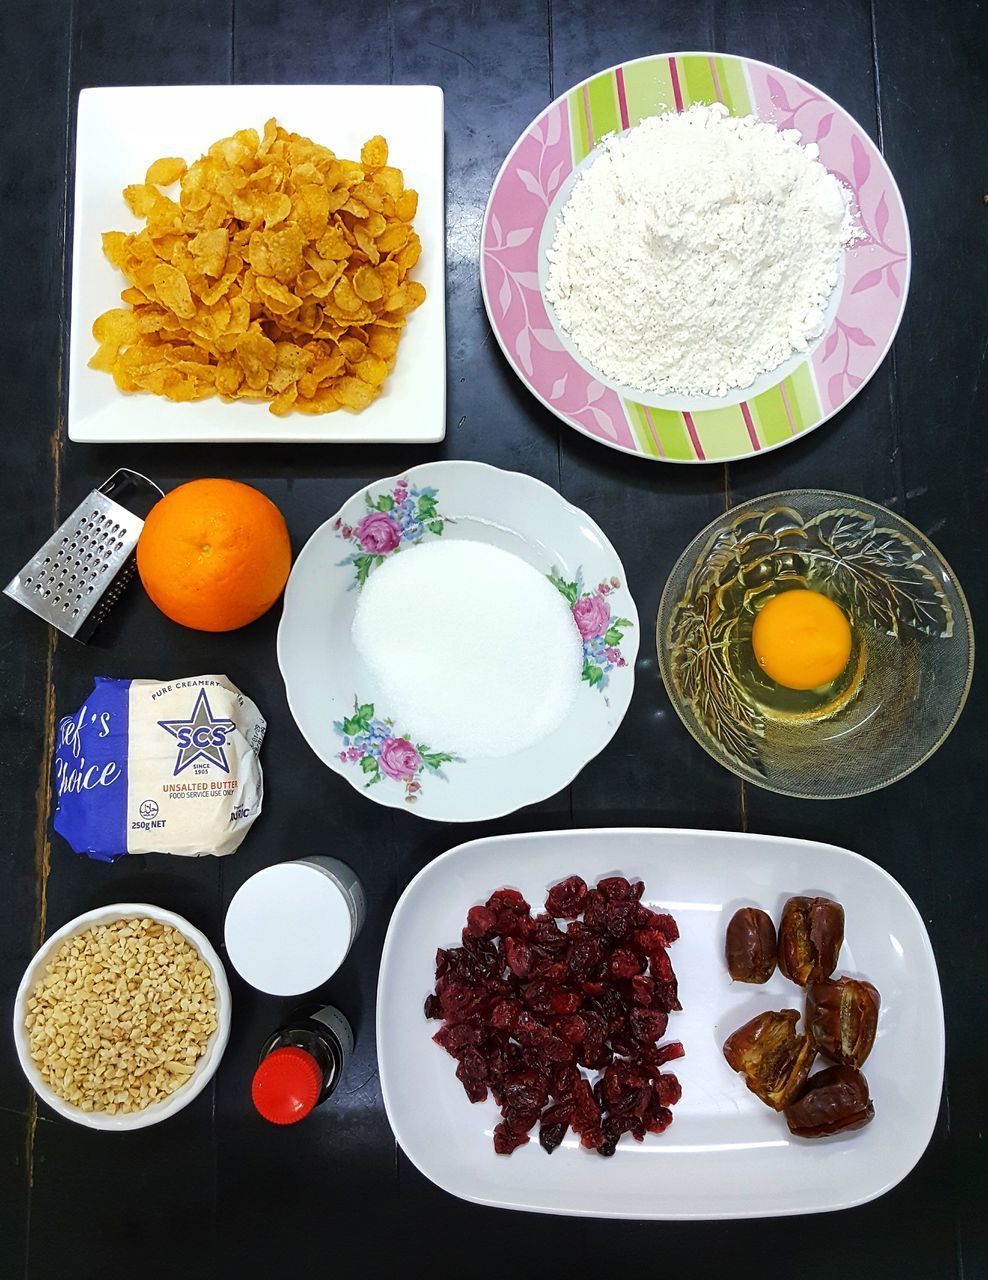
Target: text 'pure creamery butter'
(149,766)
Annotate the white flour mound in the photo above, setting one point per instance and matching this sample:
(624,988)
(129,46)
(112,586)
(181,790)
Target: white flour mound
(698,251)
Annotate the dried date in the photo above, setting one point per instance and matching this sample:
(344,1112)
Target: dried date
(750,946)
(811,934)
(842,1016)
(834,1100)
(772,1056)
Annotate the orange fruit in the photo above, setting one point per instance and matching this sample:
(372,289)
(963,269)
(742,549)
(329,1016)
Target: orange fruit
(214,554)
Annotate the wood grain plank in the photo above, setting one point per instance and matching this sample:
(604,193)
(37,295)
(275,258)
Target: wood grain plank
(933,84)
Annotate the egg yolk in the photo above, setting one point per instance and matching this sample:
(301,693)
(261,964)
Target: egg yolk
(801,639)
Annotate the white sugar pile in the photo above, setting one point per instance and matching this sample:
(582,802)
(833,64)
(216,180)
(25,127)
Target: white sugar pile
(698,251)
(473,651)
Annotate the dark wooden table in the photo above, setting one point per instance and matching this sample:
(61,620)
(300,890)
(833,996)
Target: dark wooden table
(216,1192)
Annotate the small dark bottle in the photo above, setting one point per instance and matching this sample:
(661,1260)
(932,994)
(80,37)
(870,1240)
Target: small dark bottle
(301,1064)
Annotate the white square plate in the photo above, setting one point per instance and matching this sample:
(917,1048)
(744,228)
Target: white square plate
(726,1154)
(120,131)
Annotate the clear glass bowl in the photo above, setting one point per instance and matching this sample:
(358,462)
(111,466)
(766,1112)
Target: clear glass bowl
(911,662)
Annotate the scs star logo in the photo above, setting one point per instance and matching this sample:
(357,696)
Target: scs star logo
(201,737)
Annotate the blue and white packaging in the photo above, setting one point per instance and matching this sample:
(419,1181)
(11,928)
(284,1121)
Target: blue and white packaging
(149,766)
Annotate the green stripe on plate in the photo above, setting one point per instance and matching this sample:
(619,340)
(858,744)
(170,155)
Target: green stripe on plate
(722,432)
(696,80)
(578,125)
(803,399)
(734,87)
(768,412)
(669,428)
(648,89)
(640,428)
(604,114)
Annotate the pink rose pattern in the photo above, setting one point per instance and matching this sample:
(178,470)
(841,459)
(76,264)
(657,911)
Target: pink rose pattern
(600,631)
(399,759)
(877,265)
(370,742)
(402,516)
(872,300)
(591,615)
(378,532)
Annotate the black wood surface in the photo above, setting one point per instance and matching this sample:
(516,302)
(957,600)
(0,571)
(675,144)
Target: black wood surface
(215,1192)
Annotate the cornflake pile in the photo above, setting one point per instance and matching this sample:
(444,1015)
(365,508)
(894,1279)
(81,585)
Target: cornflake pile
(280,273)
(122,1015)
(525,1005)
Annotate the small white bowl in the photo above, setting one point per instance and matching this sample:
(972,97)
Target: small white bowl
(205,1067)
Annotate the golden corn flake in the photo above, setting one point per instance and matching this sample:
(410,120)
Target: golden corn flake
(277,272)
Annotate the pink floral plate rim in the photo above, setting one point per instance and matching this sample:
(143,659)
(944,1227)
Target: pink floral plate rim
(872,295)
(463,794)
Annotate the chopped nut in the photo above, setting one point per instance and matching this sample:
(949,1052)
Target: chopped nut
(122,1015)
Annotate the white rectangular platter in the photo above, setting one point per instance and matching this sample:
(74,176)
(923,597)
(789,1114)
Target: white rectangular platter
(120,131)
(726,1155)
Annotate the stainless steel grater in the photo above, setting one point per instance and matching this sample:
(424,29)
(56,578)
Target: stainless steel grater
(78,575)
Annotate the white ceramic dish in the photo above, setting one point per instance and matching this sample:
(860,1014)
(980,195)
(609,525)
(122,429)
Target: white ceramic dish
(726,1154)
(328,684)
(207,1064)
(121,130)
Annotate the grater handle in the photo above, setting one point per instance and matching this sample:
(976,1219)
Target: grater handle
(124,482)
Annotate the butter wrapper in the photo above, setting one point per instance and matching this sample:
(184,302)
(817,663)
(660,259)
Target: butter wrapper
(149,766)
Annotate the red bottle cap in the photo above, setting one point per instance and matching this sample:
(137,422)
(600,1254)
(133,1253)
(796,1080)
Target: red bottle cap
(286,1086)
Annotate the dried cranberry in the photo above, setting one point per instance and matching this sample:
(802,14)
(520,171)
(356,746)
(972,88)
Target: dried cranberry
(649,1024)
(595,910)
(509,898)
(584,957)
(459,1036)
(621,918)
(615,887)
(547,934)
(642,989)
(625,964)
(506,1141)
(550,970)
(471,1072)
(565,1078)
(565,900)
(665,1053)
(504,1015)
(433,1008)
(550,1136)
(668,1089)
(480,921)
(564,1001)
(519,957)
(570,1028)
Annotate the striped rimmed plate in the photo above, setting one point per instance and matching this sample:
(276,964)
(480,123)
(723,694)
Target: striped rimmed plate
(533,185)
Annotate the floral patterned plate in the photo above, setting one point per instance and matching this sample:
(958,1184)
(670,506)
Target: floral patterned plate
(533,186)
(333,696)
